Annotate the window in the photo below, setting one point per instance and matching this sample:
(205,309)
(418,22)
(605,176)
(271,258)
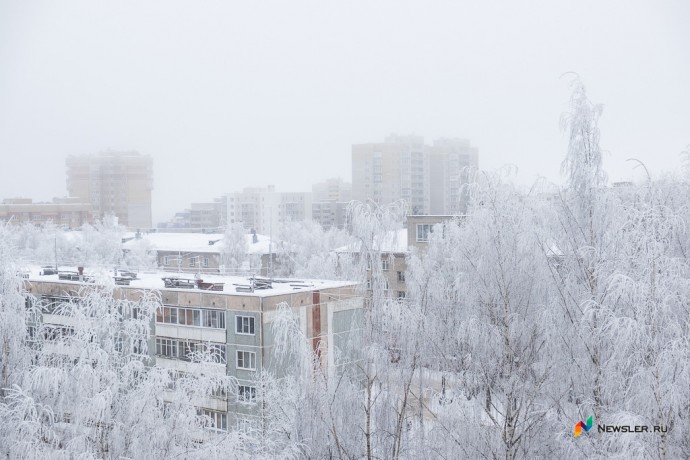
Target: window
(217,352)
(385,264)
(213,318)
(191,317)
(423,231)
(192,261)
(185,349)
(246,393)
(246,360)
(166,260)
(218,392)
(401,294)
(243,425)
(244,325)
(166,348)
(186,317)
(139,346)
(219,420)
(204,262)
(401,277)
(118,343)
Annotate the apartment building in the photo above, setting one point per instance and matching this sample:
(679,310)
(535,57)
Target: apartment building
(429,178)
(229,316)
(396,169)
(210,216)
(394,249)
(333,189)
(331,199)
(69,213)
(263,209)
(451,162)
(117,183)
(200,253)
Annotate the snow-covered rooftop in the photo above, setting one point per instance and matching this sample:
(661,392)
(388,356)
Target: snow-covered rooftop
(229,285)
(193,242)
(394,241)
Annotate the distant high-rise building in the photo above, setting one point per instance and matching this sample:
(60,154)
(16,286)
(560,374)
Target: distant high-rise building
(428,178)
(450,161)
(263,209)
(118,183)
(331,199)
(334,189)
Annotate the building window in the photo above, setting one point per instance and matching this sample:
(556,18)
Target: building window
(118,343)
(246,393)
(166,260)
(423,231)
(204,262)
(185,349)
(191,317)
(219,420)
(213,319)
(246,360)
(192,261)
(401,294)
(385,264)
(166,348)
(401,277)
(244,425)
(217,352)
(244,325)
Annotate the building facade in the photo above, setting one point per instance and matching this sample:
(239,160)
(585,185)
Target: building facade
(118,183)
(263,209)
(69,213)
(429,179)
(331,199)
(228,317)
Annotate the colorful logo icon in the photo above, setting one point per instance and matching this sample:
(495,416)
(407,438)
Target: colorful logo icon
(581,425)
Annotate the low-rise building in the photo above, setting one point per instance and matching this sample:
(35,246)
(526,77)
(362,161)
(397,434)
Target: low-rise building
(69,213)
(229,316)
(201,252)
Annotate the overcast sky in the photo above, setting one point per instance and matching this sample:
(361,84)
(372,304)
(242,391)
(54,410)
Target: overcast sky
(230,94)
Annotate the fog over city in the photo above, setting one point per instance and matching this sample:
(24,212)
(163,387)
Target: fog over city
(225,95)
(344,230)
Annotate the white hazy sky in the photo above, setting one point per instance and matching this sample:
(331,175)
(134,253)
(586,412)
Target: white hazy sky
(230,94)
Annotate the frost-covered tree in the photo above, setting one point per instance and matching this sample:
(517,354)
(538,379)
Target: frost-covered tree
(305,249)
(14,316)
(481,297)
(234,248)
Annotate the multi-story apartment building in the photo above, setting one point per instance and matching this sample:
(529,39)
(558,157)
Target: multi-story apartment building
(200,217)
(294,206)
(228,316)
(450,163)
(428,178)
(200,253)
(334,189)
(263,209)
(64,212)
(331,199)
(117,183)
(396,169)
(330,214)
(394,250)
